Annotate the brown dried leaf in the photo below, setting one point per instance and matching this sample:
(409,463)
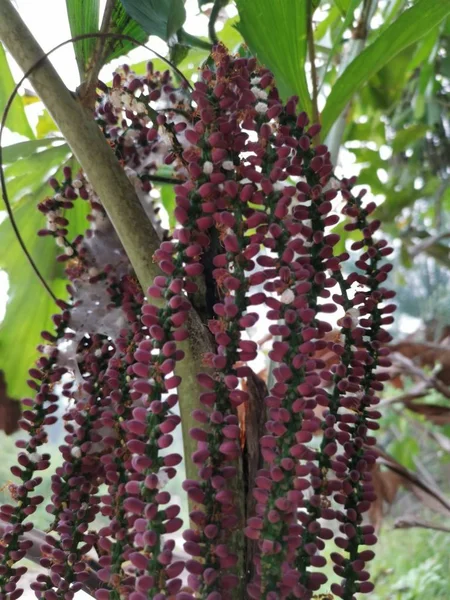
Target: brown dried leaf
(256,387)
(432,497)
(397,382)
(427,354)
(10,411)
(437,414)
(386,484)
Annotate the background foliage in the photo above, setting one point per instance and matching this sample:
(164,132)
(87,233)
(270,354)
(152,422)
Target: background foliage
(378,75)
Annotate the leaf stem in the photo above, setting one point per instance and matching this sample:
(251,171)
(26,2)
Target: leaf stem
(193,41)
(312,60)
(215,11)
(88,87)
(161,179)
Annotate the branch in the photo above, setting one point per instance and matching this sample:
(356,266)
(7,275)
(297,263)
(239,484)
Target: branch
(430,241)
(430,381)
(114,189)
(418,391)
(407,523)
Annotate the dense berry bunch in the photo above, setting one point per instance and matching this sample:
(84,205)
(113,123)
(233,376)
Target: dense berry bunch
(256,205)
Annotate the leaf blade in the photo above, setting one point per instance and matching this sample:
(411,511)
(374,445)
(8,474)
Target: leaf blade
(19,334)
(29,307)
(83,18)
(24,149)
(17,119)
(352,5)
(276,32)
(122,23)
(157,17)
(343,5)
(45,125)
(27,175)
(408,28)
